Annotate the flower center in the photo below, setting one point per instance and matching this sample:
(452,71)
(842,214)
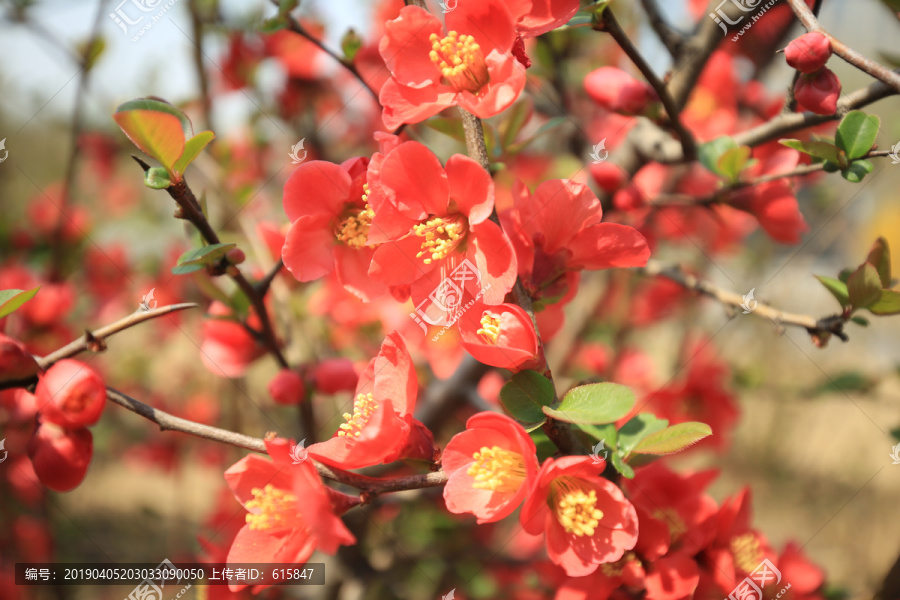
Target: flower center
(747,555)
(673,520)
(277,509)
(442,236)
(497,470)
(490,328)
(363,407)
(617,568)
(354,229)
(460,60)
(574,507)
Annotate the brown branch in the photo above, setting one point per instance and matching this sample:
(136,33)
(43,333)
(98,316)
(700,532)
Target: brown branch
(693,58)
(818,328)
(867,65)
(611,25)
(262,286)
(367,485)
(92,338)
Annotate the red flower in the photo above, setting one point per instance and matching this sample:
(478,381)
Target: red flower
(70,394)
(381,428)
(809,52)
(228,348)
(617,91)
(471,66)
(540,16)
(330,220)
(490,466)
(60,457)
(818,92)
(586,519)
(290,513)
(437,218)
(501,336)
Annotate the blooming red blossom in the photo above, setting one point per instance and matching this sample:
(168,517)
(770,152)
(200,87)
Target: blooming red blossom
(818,92)
(330,219)
(70,394)
(470,66)
(536,17)
(490,467)
(228,348)
(501,336)
(290,512)
(586,519)
(617,91)
(381,428)
(809,52)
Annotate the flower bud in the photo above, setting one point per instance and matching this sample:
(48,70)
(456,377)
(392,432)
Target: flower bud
(335,375)
(16,363)
(818,92)
(287,387)
(809,52)
(60,457)
(617,91)
(70,394)
(235,256)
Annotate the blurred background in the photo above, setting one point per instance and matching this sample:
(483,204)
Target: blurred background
(814,437)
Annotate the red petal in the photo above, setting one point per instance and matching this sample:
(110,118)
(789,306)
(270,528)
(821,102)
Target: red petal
(316,187)
(307,251)
(403,104)
(494,258)
(417,181)
(606,245)
(405,47)
(490,23)
(471,188)
(507,82)
(352,266)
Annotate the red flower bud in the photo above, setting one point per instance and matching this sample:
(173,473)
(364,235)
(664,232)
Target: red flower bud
(335,375)
(616,90)
(287,387)
(818,92)
(16,362)
(608,176)
(60,457)
(235,256)
(808,53)
(70,394)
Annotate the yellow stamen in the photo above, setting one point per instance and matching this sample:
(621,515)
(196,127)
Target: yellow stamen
(574,505)
(460,60)
(615,569)
(442,236)
(277,509)
(363,407)
(747,554)
(497,470)
(490,328)
(354,228)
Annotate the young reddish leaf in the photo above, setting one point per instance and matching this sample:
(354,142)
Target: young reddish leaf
(192,148)
(157,134)
(596,404)
(864,286)
(10,300)
(837,288)
(887,304)
(673,439)
(880,258)
(159,106)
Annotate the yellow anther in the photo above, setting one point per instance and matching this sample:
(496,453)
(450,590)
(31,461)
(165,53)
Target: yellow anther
(490,328)
(363,407)
(354,228)
(497,470)
(442,236)
(277,509)
(747,554)
(460,60)
(575,506)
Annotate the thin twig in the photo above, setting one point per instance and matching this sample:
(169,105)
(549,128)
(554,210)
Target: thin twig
(867,65)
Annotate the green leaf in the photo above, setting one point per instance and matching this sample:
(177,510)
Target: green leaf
(517,117)
(10,300)
(880,257)
(157,178)
(837,288)
(848,381)
(547,127)
(823,150)
(887,304)
(864,286)
(595,404)
(350,44)
(856,134)
(845,274)
(157,134)
(194,260)
(710,152)
(673,439)
(857,171)
(451,127)
(861,321)
(159,106)
(272,25)
(525,395)
(286,6)
(603,432)
(621,466)
(192,148)
(830,167)
(636,429)
(733,161)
